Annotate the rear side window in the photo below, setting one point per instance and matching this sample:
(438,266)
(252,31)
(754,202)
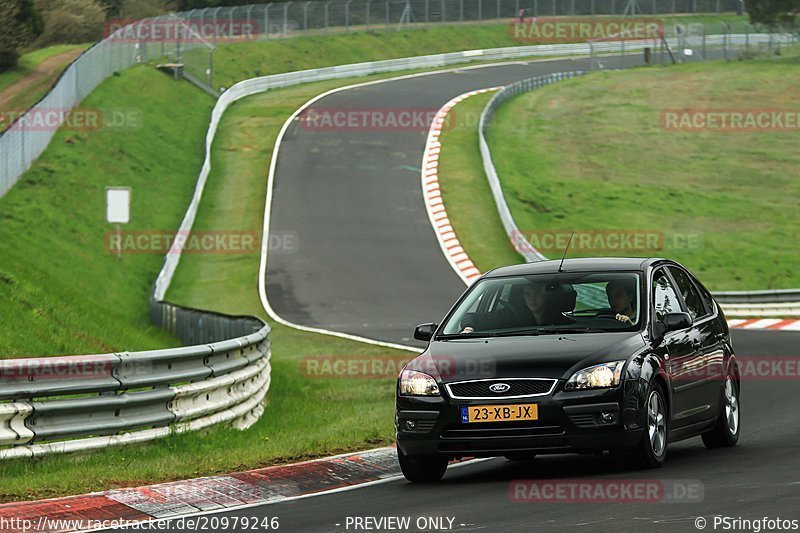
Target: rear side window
(664,296)
(694,304)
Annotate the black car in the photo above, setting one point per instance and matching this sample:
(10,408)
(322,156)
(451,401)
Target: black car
(618,354)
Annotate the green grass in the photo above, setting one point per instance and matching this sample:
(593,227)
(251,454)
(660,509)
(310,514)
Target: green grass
(590,154)
(62,293)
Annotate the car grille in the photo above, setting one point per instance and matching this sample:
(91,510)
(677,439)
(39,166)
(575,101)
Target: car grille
(518,387)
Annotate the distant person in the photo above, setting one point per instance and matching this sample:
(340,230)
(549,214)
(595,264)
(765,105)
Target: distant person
(622,299)
(521,14)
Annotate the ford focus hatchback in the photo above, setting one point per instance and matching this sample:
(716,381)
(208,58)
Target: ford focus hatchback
(588,355)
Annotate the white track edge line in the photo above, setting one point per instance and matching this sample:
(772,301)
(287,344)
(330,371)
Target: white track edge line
(271,180)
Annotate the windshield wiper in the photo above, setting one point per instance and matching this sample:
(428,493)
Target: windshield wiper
(520,332)
(575,330)
(448,336)
(546,330)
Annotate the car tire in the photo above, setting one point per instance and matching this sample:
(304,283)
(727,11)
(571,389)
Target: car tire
(726,430)
(422,469)
(652,449)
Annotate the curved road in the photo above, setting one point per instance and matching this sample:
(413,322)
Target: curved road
(369,264)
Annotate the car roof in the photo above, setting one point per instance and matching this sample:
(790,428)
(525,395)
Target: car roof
(583,264)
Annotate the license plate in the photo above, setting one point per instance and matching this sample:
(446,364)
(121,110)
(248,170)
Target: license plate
(499,413)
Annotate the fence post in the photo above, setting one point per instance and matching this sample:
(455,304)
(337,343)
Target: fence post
(480,10)
(535,8)
(461,11)
(368,2)
(498,8)
(305,17)
(442,17)
(572,7)
(266,21)
(249,18)
(286,18)
(347,16)
(214,32)
(427,14)
(388,22)
(327,20)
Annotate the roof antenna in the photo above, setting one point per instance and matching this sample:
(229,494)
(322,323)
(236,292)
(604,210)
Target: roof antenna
(561,265)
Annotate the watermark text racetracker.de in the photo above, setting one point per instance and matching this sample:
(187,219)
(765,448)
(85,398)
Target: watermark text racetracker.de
(228,242)
(606,491)
(160,31)
(604,241)
(389,366)
(81,119)
(574,29)
(731,120)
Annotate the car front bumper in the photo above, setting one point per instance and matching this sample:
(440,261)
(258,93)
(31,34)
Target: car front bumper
(568,422)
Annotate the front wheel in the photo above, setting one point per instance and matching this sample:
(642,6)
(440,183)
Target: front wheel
(423,469)
(652,449)
(726,430)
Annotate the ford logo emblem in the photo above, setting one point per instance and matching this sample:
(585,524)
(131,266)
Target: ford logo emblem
(499,387)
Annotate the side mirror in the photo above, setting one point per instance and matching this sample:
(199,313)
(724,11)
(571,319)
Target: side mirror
(424,332)
(677,321)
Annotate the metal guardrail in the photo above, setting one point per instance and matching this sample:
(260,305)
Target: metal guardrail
(135,396)
(777,303)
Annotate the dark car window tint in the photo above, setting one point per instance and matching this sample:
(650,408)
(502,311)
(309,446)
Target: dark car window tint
(690,295)
(664,295)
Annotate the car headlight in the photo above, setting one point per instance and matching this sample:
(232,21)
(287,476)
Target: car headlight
(413,383)
(596,377)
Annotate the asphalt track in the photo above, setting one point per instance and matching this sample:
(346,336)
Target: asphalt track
(368,262)
(758,478)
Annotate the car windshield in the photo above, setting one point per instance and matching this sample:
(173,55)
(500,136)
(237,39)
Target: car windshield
(548,303)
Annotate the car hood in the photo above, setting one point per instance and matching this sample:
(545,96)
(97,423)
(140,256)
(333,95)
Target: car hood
(548,356)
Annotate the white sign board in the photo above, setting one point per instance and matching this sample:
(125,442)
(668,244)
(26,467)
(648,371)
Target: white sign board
(118,205)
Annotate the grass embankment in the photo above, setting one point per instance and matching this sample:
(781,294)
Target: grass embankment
(591,154)
(236,62)
(62,292)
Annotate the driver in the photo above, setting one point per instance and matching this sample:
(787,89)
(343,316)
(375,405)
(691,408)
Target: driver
(622,299)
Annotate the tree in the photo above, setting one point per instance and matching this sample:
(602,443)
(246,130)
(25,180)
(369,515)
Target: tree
(71,21)
(20,24)
(774,13)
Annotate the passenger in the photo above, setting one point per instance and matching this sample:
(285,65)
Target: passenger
(622,299)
